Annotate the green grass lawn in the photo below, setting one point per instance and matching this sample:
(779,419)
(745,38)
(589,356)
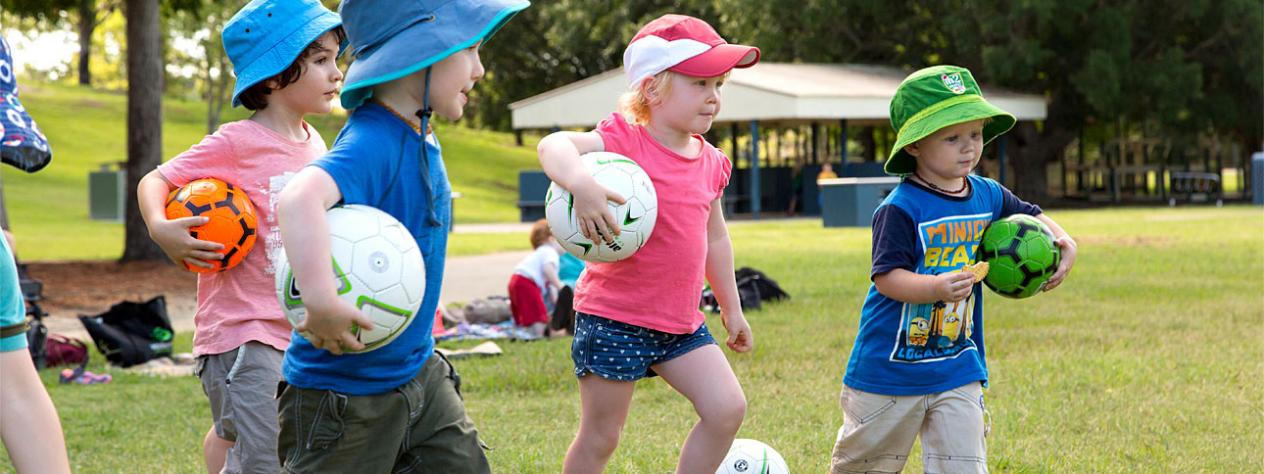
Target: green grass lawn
(48,210)
(1145,360)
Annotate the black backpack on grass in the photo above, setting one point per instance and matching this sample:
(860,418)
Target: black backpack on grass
(132,333)
(753,288)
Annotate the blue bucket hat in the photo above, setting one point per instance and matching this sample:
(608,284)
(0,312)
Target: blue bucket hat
(266,36)
(392,39)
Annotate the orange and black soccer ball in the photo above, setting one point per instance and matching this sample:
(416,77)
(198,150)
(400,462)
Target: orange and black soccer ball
(232,219)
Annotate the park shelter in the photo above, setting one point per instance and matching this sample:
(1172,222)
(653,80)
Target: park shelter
(818,103)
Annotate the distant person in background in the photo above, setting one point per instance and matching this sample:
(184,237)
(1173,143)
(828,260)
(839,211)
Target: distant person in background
(827,172)
(535,282)
(30,430)
(570,268)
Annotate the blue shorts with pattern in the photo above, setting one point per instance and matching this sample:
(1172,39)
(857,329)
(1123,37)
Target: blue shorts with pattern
(625,352)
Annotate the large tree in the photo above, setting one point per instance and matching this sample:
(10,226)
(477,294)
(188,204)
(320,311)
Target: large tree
(144,119)
(87,14)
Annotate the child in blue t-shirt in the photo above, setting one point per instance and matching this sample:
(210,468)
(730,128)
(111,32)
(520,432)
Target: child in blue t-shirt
(396,408)
(918,365)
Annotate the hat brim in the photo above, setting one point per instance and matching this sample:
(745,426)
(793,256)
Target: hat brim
(424,43)
(281,56)
(970,107)
(718,60)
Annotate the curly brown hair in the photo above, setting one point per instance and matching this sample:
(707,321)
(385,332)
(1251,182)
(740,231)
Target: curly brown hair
(256,96)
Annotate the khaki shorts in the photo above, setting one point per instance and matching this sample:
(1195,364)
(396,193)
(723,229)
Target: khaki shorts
(878,431)
(241,386)
(420,426)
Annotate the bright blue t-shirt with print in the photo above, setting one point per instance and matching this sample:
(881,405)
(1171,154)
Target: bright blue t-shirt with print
(12,307)
(919,349)
(376,161)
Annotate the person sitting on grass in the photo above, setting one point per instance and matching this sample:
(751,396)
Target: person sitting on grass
(535,283)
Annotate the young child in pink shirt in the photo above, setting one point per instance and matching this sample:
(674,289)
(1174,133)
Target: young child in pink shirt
(675,67)
(284,54)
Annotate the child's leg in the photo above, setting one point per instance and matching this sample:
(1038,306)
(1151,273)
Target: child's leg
(214,450)
(31,430)
(877,432)
(953,435)
(704,376)
(603,410)
(251,408)
(441,437)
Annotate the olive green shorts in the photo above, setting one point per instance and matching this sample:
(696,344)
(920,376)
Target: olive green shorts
(420,426)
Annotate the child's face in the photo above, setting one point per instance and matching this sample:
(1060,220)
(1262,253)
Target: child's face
(319,84)
(950,152)
(452,78)
(690,104)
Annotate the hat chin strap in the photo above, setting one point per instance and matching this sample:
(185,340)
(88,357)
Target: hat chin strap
(424,114)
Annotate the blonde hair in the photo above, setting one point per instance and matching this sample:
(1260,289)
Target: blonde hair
(635,104)
(540,233)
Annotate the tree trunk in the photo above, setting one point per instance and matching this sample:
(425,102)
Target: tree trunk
(1031,150)
(87,24)
(144,119)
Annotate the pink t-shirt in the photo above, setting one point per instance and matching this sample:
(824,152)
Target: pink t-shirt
(659,286)
(240,305)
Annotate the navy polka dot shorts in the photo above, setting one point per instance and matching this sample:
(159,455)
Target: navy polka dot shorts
(624,352)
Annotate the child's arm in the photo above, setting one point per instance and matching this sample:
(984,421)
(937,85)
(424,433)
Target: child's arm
(559,156)
(305,234)
(719,269)
(902,285)
(554,282)
(172,236)
(1068,246)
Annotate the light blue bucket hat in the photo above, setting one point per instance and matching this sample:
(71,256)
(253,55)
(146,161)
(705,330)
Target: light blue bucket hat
(391,39)
(266,36)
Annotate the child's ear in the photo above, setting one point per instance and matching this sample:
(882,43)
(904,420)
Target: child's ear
(912,149)
(648,91)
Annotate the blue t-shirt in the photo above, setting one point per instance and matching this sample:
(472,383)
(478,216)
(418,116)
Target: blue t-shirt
(376,161)
(919,349)
(12,308)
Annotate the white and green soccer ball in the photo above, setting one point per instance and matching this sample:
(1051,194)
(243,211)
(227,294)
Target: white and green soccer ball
(747,456)
(377,268)
(636,217)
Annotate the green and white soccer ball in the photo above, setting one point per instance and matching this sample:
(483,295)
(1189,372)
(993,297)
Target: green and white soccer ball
(377,268)
(1021,256)
(636,217)
(747,456)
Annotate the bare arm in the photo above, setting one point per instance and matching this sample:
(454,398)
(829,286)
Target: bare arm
(1069,249)
(902,285)
(31,430)
(172,235)
(719,272)
(559,156)
(305,234)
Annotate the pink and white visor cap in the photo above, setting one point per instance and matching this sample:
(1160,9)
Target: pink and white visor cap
(683,44)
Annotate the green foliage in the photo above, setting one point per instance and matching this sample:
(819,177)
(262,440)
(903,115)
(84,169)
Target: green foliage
(49,209)
(1097,376)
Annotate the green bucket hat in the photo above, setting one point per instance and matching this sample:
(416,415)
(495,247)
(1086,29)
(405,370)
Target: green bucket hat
(934,98)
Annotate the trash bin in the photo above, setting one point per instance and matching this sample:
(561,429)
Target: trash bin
(107,192)
(533,185)
(849,202)
(1257,178)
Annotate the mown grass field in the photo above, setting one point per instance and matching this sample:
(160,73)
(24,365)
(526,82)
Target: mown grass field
(1146,360)
(48,210)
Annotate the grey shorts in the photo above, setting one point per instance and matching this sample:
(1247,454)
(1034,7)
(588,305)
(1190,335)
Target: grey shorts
(241,386)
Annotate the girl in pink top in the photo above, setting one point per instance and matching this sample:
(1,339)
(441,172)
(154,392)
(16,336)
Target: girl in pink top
(639,317)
